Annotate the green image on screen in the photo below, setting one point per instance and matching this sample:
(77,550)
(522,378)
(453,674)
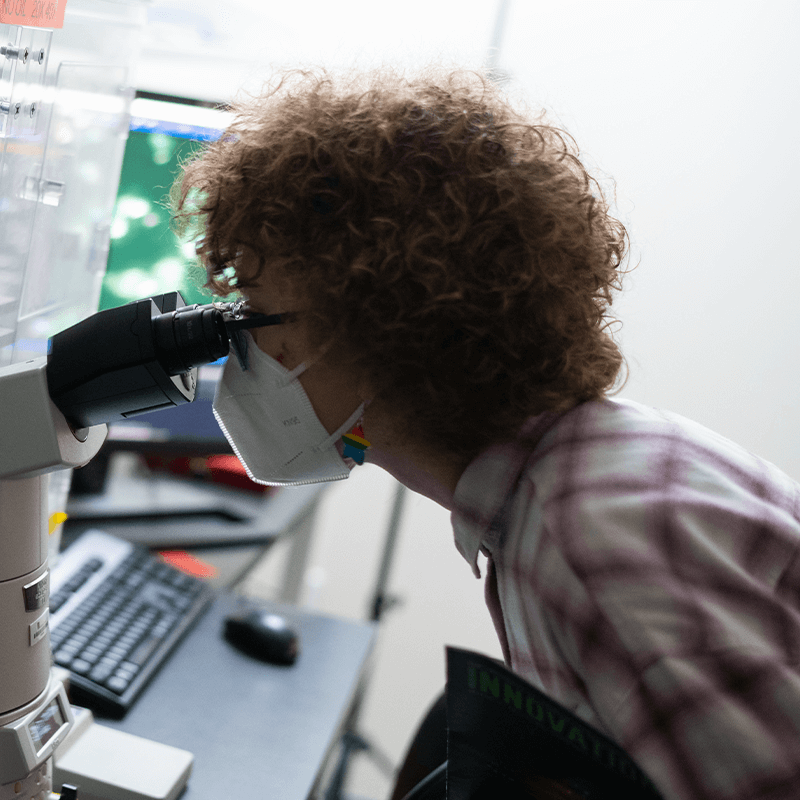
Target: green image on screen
(145,256)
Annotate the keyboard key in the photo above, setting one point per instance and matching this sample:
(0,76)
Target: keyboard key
(125,674)
(101,672)
(63,659)
(117,684)
(110,662)
(92,654)
(181,602)
(70,649)
(57,600)
(82,635)
(144,650)
(103,641)
(80,666)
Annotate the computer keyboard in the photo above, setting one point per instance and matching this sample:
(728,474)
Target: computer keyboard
(116,613)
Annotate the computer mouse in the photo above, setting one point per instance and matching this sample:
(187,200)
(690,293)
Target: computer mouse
(263,634)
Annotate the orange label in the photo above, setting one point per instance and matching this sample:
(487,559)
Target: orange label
(34,13)
(188,563)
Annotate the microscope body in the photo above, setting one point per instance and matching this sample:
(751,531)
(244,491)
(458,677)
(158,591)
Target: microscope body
(36,440)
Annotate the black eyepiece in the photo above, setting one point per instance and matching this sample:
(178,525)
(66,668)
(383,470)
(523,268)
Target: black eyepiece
(189,337)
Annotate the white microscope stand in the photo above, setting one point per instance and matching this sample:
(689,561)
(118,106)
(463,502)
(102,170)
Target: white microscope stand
(35,440)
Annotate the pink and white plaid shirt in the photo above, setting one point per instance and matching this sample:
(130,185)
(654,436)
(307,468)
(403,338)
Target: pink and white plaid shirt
(645,572)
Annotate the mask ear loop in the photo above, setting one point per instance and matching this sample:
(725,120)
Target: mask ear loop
(236,323)
(300,368)
(240,347)
(290,376)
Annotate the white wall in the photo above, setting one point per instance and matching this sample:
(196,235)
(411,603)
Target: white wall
(693,108)
(211,48)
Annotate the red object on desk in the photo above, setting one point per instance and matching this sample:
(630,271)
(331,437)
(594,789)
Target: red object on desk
(188,563)
(220,469)
(229,470)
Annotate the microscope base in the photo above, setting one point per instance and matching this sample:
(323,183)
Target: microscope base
(107,764)
(36,786)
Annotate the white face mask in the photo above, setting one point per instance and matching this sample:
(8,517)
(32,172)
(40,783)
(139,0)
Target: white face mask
(271,425)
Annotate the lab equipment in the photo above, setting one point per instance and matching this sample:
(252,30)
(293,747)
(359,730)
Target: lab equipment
(29,741)
(54,414)
(63,96)
(264,634)
(65,102)
(140,357)
(107,763)
(135,358)
(37,439)
(117,612)
(64,111)
(150,350)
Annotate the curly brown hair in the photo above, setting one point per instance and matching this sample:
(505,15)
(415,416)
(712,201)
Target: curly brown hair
(455,248)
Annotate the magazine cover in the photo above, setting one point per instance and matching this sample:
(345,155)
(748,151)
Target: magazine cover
(507,740)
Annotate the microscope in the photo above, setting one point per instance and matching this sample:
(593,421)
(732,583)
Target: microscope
(53,413)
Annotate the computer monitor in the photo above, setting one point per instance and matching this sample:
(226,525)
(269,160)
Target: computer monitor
(146,257)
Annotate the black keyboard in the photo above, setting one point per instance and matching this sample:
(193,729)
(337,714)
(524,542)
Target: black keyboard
(116,613)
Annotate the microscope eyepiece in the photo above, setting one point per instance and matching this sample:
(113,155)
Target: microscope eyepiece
(189,337)
(132,359)
(142,356)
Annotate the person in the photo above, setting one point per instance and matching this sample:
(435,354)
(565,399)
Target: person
(441,269)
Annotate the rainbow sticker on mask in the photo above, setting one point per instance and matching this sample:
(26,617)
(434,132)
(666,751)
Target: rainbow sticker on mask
(355,445)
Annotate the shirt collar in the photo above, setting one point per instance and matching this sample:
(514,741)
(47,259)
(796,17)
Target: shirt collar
(487,484)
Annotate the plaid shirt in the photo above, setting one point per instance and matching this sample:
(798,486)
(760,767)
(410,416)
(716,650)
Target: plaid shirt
(645,572)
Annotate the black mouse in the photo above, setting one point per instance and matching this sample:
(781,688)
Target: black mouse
(263,634)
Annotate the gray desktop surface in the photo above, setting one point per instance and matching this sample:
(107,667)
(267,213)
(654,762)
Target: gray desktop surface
(256,730)
(165,512)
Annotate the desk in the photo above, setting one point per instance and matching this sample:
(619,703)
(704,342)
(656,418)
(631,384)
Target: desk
(229,528)
(256,730)
(161,511)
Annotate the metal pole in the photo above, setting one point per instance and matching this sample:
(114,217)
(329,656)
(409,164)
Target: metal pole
(495,43)
(380,600)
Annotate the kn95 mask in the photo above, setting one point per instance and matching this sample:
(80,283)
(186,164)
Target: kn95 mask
(271,425)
